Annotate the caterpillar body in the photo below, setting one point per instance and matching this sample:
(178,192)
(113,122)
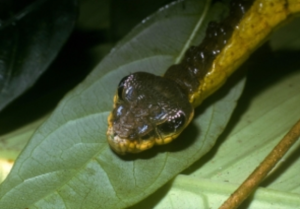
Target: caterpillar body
(153,110)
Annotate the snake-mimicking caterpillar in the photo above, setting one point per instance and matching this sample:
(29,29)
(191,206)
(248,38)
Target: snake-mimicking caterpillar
(153,110)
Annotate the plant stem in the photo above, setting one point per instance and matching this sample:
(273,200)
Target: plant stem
(263,169)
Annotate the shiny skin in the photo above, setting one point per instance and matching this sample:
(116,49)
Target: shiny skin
(148,110)
(203,70)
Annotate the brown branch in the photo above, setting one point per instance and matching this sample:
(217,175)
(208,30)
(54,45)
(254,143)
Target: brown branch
(264,168)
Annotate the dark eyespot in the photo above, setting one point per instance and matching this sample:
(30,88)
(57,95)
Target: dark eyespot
(121,87)
(172,125)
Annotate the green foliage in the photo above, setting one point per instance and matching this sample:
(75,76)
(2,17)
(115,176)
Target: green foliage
(68,163)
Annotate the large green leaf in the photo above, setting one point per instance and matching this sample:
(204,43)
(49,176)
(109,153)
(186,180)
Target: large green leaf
(68,163)
(268,108)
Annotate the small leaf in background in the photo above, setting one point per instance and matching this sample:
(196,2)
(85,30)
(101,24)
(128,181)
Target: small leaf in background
(5,167)
(29,41)
(68,163)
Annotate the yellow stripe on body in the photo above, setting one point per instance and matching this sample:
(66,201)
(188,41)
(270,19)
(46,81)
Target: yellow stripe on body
(254,28)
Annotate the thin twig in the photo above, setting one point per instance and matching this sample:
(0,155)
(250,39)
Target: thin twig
(265,167)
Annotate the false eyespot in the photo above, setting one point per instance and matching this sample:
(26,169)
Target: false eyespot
(150,109)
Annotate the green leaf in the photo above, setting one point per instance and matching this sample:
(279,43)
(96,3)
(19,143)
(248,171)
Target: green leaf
(268,108)
(29,41)
(124,17)
(68,163)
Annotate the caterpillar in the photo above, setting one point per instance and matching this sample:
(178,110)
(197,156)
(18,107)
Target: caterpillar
(153,110)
